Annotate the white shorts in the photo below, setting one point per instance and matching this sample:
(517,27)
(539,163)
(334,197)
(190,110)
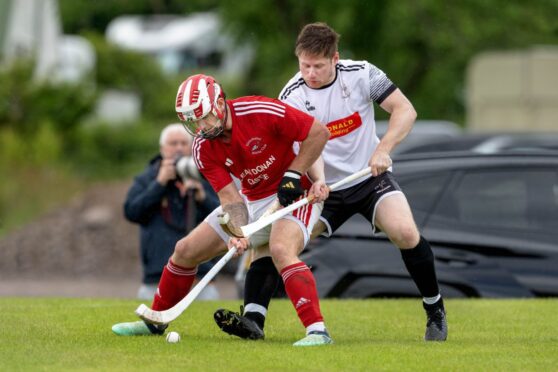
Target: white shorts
(306,217)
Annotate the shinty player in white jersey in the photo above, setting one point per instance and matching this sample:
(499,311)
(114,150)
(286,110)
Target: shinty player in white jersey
(341,94)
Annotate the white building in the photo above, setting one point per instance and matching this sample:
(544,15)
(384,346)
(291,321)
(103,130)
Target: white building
(32,29)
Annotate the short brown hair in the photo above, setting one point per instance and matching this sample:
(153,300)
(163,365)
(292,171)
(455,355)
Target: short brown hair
(317,39)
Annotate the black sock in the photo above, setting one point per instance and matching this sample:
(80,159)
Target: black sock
(261,282)
(420,264)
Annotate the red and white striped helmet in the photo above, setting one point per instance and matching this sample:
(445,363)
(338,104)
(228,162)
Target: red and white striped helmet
(197,97)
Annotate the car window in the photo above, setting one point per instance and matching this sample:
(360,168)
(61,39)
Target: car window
(518,199)
(422,192)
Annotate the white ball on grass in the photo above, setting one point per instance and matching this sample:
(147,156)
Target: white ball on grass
(173,337)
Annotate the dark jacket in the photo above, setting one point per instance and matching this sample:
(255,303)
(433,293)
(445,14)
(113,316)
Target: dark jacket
(162,215)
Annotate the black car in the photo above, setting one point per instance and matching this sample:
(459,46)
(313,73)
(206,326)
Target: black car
(484,143)
(492,221)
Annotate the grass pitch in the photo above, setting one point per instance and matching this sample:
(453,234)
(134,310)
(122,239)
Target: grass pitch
(46,334)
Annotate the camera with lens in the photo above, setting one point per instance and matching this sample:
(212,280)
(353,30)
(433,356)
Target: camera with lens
(186,168)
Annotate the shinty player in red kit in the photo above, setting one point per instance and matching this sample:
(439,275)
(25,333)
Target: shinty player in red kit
(251,138)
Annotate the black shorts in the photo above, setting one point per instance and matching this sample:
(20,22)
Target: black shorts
(361,198)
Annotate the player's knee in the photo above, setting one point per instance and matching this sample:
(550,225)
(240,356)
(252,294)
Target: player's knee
(405,237)
(280,254)
(185,253)
(277,249)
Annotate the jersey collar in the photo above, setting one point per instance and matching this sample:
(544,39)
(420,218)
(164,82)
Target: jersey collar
(329,84)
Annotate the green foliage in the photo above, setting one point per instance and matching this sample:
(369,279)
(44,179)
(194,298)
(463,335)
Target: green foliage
(25,104)
(386,335)
(46,167)
(34,179)
(39,148)
(79,15)
(424,46)
(140,73)
(30,191)
(13,148)
(128,70)
(102,151)
(46,145)
(14,87)
(43,137)
(64,105)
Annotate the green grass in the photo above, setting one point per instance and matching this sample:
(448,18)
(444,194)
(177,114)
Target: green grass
(45,334)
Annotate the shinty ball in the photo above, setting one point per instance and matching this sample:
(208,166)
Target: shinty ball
(173,337)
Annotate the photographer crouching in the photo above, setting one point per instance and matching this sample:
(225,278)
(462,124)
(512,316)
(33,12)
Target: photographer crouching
(168,199)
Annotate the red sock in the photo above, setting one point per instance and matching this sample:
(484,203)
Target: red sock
(174,285)
(301,289)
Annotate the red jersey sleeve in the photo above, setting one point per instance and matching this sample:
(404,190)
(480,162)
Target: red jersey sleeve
(211,163)
(296,124)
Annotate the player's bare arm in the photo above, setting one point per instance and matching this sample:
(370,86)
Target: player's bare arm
(232,203)
(402,117)
(319,188)
(310,149)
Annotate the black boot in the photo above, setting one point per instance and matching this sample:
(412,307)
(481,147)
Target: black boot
(436,324)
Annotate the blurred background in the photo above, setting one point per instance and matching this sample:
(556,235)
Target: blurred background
(86,87)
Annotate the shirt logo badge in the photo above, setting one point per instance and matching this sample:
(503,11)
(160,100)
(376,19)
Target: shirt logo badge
(344,126)
(309,106)
(256,145)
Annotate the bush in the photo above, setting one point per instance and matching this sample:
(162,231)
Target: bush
(25,103)
(34,177)
(127,70)
(39,149)
(103,152)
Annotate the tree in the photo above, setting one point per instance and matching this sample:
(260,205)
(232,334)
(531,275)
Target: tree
(424,46)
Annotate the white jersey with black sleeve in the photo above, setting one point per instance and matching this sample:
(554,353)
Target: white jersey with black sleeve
(345,107)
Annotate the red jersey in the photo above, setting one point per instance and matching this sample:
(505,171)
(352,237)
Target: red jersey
(260,149)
